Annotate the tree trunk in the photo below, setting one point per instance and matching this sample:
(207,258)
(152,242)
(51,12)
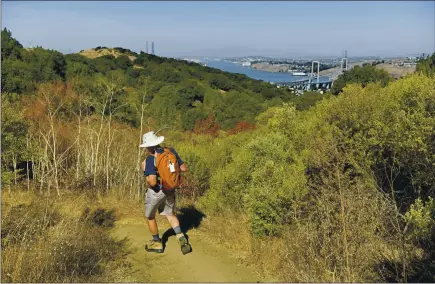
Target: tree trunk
(139,175)
(27,164)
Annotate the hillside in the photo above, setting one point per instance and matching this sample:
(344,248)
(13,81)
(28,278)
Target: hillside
(394,70)
(175,93)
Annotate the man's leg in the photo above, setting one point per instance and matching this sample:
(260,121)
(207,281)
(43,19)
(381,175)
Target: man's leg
(152,226)
(152,201)
(175,223)
(173,220)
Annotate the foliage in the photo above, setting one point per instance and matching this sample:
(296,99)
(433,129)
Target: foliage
(207,126)
(241,126)
(22,68)
(187,84)
(362,75)
(13,136)
(329,171)
(421,219)
(221,82)
(309,99)
(426,65)
(191,116)
(11,48)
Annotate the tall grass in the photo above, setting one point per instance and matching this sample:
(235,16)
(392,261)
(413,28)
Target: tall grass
(42,244)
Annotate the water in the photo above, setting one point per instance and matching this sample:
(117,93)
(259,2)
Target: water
(273,77)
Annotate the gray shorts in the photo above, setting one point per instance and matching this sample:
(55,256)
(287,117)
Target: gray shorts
(164,201)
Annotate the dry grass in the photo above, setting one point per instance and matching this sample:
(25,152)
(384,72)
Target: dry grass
(396,71)
(92,53)
(45,240)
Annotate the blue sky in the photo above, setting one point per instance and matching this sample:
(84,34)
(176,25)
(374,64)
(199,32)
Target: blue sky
(227,28)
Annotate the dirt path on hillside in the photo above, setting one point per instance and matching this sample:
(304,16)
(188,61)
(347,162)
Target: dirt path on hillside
(206,263)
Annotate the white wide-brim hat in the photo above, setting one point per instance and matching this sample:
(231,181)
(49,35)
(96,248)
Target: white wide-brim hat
(149,139)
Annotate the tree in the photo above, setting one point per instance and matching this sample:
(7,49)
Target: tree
(190,117)
(79,65)
(45,65)
(11,48)
(16,76)
(123,62)
(13,136)
(362,75)
(426,65)
(221,82)
(166,73)
(189,93)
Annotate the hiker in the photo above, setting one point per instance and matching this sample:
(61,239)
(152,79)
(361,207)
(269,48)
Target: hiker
(162,168)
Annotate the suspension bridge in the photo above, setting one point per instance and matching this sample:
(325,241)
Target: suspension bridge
(316,81)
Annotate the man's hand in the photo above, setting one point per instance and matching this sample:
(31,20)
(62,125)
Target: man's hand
(183,168)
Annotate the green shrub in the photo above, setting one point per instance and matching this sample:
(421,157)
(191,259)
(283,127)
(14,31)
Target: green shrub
(421,219)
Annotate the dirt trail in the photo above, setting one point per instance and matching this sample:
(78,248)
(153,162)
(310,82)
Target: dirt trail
(206,263)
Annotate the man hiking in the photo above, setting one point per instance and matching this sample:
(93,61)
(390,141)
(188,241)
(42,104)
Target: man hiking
(162,168)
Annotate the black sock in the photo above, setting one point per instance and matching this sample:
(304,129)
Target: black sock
(177,230)
(156,237)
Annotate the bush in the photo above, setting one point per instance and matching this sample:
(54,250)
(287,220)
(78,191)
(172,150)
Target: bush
(324,175)
(361,75)
(426,65)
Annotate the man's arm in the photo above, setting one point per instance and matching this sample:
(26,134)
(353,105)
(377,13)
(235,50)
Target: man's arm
(183,166)
(150,172)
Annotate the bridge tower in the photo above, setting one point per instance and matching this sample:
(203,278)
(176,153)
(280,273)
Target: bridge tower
(152,47)
(312,72)
(146,50)
(344,62)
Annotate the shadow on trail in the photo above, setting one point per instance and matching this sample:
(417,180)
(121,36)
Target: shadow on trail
(189,218)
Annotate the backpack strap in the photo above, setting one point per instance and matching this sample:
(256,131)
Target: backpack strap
(155,166)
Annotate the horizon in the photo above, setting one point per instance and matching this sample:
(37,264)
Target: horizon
(228,29)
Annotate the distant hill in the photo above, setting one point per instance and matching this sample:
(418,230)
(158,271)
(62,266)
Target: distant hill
(176,92)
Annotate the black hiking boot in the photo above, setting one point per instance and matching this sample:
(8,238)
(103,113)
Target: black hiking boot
(184,244)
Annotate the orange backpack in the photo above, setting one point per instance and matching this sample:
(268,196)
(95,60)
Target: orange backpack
(168,169)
